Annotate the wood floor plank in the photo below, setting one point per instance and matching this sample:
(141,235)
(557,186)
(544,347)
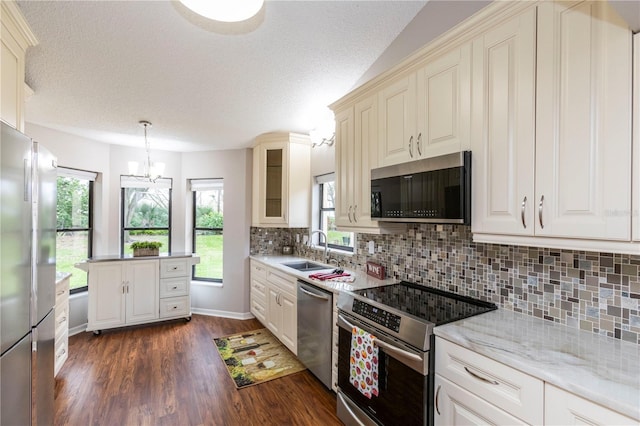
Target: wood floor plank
(171,374)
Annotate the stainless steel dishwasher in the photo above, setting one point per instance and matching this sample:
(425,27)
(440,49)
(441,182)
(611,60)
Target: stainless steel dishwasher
(315,310)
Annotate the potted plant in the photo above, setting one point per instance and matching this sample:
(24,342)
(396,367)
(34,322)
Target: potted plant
(146,248)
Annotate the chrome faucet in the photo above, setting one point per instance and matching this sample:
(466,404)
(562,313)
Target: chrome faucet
(326,242)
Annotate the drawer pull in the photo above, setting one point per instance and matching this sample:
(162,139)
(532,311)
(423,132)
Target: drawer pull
(492,382)
(175,287)
(60,293)
(175,268)
(62,320)
(437,395)
(61,354)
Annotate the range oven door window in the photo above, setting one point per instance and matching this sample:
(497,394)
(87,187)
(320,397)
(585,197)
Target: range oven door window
(402,391)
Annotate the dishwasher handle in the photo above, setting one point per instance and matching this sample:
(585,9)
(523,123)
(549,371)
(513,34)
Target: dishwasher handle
(307,292)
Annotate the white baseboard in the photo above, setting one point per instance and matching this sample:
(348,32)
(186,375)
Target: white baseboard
(78,329)
(224,314)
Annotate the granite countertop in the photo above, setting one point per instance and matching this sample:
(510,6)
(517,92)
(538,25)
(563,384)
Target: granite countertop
(362,280)
(598,368)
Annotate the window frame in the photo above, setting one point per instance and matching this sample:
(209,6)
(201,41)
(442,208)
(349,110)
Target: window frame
(89,228)
(193,241)
(124,228)
(321,210)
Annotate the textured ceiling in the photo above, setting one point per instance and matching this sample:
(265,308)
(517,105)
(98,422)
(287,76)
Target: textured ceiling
(101,66)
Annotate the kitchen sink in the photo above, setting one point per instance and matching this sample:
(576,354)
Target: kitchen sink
(305,266)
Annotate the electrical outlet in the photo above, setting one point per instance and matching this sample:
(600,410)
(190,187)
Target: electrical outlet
(297,238)
(372,247)
(305,239)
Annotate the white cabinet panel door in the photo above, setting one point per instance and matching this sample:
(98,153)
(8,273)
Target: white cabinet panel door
(107,296)
(444,101)
(583,122)
(344,167)
(289,334)
(397,121)
(455,406)
(503,136)
(142,290)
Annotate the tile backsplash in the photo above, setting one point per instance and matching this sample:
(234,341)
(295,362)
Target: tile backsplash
(598,292)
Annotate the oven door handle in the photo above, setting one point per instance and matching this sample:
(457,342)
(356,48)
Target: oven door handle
(386,346)
(397,351)
(353,415)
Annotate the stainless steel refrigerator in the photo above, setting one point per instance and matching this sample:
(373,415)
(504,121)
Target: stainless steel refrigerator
(27,279)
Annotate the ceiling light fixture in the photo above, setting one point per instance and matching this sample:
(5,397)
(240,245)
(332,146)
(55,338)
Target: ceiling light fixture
(152,171)
(225,10)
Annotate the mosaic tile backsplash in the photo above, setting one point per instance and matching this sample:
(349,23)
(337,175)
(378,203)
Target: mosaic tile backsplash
(597,292)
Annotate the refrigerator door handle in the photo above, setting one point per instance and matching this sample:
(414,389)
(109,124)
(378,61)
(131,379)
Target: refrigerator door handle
(26,169)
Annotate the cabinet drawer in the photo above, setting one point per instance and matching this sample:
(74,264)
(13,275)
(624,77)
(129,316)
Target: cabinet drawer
(511,390)
(61,352)
(285,283)
(170,268)
(175,307)
(62,320)
(258,271)
(258,290)
(173,287)
(258,310)
(62,292)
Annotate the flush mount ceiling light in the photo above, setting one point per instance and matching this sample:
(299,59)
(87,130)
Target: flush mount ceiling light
(225,10)
(152,171)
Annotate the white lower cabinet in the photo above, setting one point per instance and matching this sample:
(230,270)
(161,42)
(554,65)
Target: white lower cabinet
(61,309)
(564,408)
(274,302)
(137,291)
(500,393)
(258,296)
(457,406)
(282,308)
(471,389)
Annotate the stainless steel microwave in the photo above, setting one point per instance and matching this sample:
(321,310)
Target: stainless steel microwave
(432,190)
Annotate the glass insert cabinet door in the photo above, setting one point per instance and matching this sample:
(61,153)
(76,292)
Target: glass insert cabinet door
(273,183)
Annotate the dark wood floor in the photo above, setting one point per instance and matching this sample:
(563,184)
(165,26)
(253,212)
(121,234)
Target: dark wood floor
(171,374)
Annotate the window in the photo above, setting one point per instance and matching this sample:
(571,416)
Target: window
(337,239)
(74,223)
(208,221)
(146,212)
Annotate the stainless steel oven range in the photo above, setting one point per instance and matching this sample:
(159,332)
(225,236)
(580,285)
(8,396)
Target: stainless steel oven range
(401,318)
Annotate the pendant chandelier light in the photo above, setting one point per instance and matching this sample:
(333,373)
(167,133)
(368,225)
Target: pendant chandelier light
(225,10)
(151,171)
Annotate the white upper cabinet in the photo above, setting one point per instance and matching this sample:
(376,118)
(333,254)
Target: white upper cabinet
(426,112)
(444,103)
(503,142)
(15,38)
(281,180)
(356,155)
(345,167)
(397,121)
(636,138)
(559,167)
(583,122)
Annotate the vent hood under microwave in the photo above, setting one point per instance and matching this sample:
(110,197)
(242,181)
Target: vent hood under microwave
(432,190)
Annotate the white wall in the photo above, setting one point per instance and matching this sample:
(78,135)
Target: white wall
(435,18)
(235,167)
(111,161)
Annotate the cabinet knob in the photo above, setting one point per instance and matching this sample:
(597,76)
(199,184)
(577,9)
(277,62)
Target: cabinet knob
(175,287)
